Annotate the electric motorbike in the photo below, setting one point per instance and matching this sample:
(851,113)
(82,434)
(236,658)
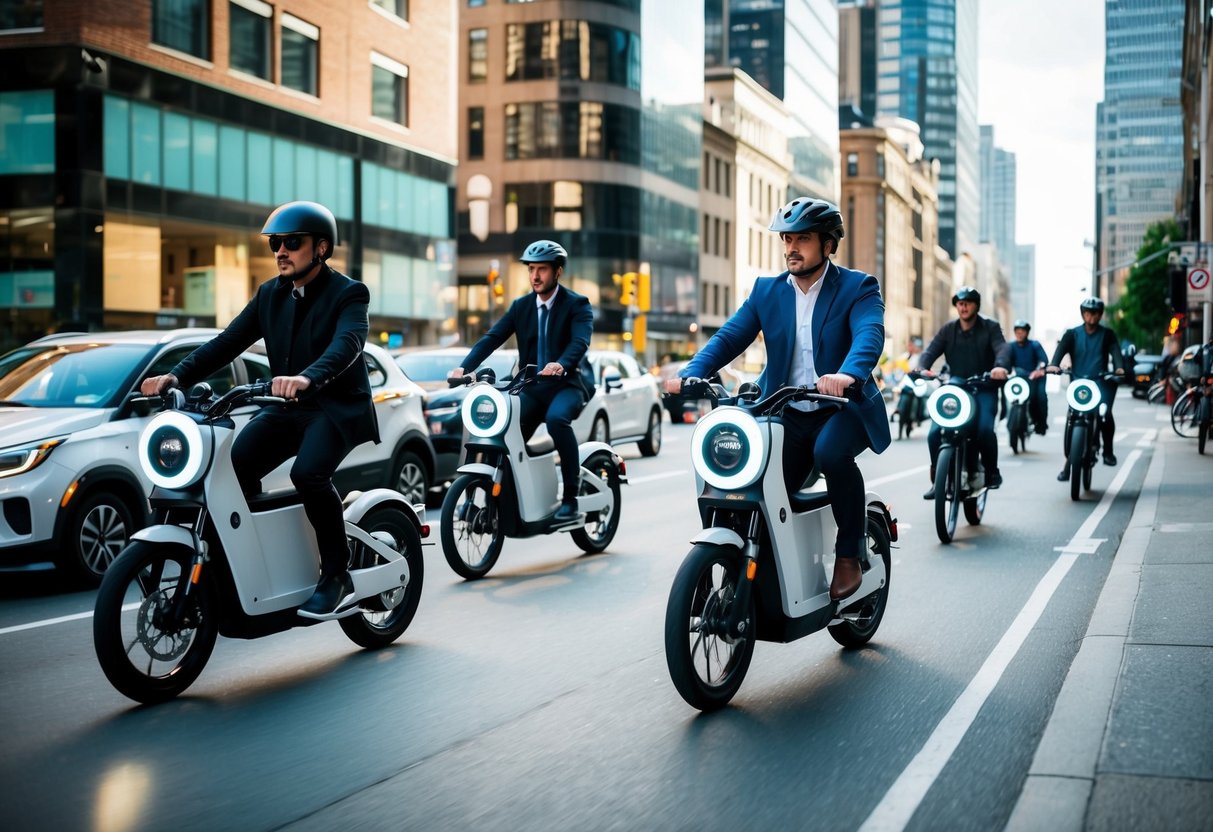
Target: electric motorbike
(1084,428)
(215,563)
(758,570)
(508,487)
(912,395)
(1018,391)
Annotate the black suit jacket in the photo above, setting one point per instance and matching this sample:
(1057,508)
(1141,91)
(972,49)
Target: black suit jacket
(570,325)
(327,350)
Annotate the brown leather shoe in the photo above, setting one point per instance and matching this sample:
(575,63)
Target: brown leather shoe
(847,578)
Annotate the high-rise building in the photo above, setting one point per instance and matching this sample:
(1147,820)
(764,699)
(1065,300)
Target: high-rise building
(858,45)
(582,123)
(1023,282)
(998,195)
(1139,153)
(144,144)
(928,74)
(790,47)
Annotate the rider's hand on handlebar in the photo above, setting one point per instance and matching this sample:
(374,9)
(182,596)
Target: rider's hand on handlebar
(834,384)
(673,385)
(156,385)
(999,373)
(552,368)
(1053,369)
(289,387)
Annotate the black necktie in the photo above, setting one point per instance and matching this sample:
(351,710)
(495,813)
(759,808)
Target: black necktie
(543,335)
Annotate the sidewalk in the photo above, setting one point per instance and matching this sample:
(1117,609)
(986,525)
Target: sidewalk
(1129,745)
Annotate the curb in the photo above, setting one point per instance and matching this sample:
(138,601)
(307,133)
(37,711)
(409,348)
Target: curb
(1062,775)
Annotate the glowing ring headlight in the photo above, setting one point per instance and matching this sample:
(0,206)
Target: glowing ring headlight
(1018,390)
(1083,394)
(485,411)
(728,448)
(950,406)
(174,450)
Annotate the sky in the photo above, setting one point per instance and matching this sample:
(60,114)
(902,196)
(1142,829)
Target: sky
(1040,75)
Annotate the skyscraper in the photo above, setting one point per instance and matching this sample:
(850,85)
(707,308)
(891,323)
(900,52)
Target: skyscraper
(928,74)
(1139,140)
(858,42)
(998,195)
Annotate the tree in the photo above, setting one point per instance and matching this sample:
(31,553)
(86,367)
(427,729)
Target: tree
(1141,315)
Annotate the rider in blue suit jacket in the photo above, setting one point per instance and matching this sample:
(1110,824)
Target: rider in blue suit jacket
(823,325)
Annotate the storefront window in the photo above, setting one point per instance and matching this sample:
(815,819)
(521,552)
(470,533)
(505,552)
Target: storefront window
(27,132)
(27,277)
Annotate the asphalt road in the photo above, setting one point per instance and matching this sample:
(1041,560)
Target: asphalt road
(539,698)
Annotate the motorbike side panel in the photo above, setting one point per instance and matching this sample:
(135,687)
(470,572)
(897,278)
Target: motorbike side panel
(170,535)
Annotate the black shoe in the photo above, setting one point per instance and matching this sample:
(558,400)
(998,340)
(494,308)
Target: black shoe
(1041,430)
(567,513)
(332,592)
(1065,473)
(993,479)
(1109,459)
(929,494)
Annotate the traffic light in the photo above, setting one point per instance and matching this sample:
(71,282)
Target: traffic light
(492,276)
(1176,324)
(495,284)
(627,295)
(643,297)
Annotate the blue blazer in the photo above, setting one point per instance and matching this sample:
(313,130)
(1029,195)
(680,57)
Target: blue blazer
(848,337)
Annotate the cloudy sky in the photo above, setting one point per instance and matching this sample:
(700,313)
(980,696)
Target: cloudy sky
(1040,76)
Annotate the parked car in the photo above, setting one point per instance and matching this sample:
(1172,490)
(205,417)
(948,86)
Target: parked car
(633,400)
(1145,373)
(70,489)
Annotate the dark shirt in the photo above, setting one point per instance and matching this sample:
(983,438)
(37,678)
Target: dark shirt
(1089,353)
(971,353)
(1028,357)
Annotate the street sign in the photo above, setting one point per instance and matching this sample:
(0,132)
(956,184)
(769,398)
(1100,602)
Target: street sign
(1200,287)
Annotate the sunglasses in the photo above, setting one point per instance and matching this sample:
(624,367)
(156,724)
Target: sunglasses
(293,242)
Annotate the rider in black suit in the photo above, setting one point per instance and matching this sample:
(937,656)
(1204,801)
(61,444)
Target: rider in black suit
(569,381)
(314,322)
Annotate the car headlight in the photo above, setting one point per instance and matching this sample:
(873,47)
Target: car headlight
(18,460)
(728,448)
(1083,394)
(485,411)
(174,450)
(1017,390)
(951,407)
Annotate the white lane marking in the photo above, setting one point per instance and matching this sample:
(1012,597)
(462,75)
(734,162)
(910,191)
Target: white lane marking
(903,798)
(662,476)
(46,622)
(901,475)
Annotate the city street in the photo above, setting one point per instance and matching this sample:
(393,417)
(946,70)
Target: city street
(539,697)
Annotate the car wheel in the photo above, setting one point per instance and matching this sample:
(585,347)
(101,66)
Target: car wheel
(600,431)
(97,530)
(650,445)
(409,477)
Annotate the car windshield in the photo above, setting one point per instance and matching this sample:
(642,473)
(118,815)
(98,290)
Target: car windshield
(429,367)
(68,375)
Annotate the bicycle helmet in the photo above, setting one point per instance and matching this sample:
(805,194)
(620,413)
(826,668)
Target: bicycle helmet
(1022,324)
(303,218)
(1091,304)
(545,251)
(808,214)
(967,293)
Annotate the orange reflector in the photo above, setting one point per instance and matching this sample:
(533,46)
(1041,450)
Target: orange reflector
(196,574)
(496,489)
(751,570)
(67,495)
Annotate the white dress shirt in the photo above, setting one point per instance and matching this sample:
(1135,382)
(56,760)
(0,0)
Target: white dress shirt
(802,370)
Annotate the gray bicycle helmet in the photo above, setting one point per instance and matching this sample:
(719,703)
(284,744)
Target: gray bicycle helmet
(545,251)
(967,293)
(808,214)
(1091,304)
(304,218)
(1022,324)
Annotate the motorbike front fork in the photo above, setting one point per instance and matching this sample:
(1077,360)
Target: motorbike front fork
(738,624)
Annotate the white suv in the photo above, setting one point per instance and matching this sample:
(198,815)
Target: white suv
(632,400)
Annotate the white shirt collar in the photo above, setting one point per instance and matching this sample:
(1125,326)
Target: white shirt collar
(549,301)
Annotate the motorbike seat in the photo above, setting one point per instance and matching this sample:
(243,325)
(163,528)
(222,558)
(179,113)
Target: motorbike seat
(803,501)
(541,445)
(270,500)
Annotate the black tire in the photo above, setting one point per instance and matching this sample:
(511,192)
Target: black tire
(130,643)
(651,444)
(975,508)
(705,669)
(600,431)
(1204,415)
(472,544)
(410,477)
(947,488)
(857,632)
(1183,415)
(387,615)
(1017,428)
(98,529)
(600,527)
(905,416)
(1078,461)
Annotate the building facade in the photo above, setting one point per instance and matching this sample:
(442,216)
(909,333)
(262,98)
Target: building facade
(581,122)
(858,47)
(146,142)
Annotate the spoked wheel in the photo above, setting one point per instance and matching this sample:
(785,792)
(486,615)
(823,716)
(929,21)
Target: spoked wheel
(975,508)
(1079,468)
(1183,415)
(947,492)
(600,526)
(706,666)
(387,615)
(150,649)
(859,623)
(471,532)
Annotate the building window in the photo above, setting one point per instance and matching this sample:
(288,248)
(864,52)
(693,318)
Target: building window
(475,132)
(183,25)
(572,130)
(250,37)
(880,165)
(728,180)
(27,132)
(389,90)
(852,164)
(20,14)
(707,243)
(399,8)
(300,49)
(572,50)
(472,4)
(478,55)
(728,233)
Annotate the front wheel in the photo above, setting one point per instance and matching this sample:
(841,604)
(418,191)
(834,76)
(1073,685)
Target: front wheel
(150,643)
(860,624)
(1078,461)
(706,666)
(471,527)
(1183,415)
(409,477)
(600,526)
(947,493)
(387,615)
(98,529)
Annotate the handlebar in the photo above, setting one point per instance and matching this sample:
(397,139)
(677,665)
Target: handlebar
(975,382)
(774,402)
(1117,378)
(175,399)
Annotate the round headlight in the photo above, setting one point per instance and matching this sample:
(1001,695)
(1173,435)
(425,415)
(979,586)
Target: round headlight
(1083,394)
(173,450)
(728,448)
(1017,390)
(951,406)
(485,411)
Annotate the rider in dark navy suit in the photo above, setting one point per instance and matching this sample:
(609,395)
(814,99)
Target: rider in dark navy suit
(314,322)
(567,321)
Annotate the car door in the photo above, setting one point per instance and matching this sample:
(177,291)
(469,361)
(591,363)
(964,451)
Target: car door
(622,402)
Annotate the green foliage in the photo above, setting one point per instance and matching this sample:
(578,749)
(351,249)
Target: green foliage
(1141,315)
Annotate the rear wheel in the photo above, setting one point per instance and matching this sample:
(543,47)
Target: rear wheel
(600,431)
(600,526)
(471,531)
(1078,461)
(651,444)
(859,623)
(1183,415)
(705,664)
(975,508)
(947,491)
(387,615)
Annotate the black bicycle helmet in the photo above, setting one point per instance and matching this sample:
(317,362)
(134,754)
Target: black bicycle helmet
(967,293)
(304,218)
(1091,304)
(545,251)
(1022,324)
(808,214)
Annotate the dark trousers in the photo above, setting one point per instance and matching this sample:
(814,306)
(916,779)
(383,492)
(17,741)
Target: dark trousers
(276,434)
(1038,403)
(983,427)
(555,404)
(829,439)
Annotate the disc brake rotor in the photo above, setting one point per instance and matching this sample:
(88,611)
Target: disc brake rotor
(159,644)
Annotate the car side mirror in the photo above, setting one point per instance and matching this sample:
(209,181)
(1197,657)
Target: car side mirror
(611,380)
